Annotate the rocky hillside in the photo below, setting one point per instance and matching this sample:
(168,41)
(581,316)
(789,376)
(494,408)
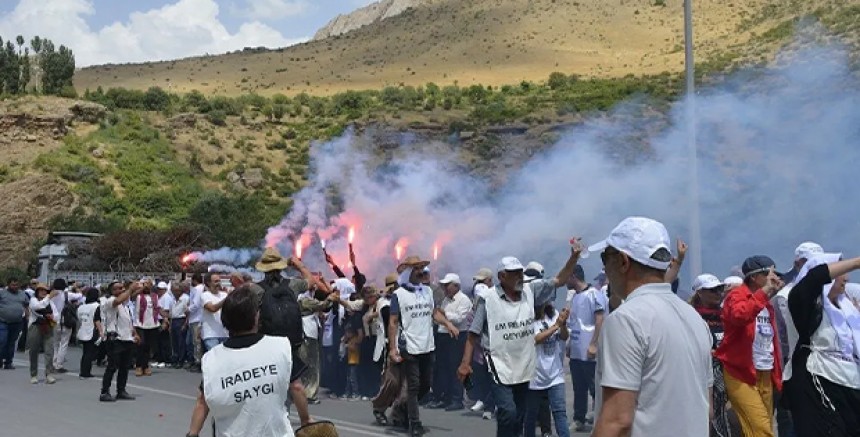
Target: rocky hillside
(367,15)
(492,42)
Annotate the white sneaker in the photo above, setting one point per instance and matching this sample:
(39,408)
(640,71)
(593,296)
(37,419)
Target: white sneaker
(34,380)
(160,365)
(50,379)
(589,417)
(487,415)
(478,407)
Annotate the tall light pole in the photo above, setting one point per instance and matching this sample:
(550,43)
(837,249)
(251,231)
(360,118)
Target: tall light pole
(695,246)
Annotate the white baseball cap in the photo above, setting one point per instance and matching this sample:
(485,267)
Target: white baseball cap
(706,281)
(807,249)
(162,285)
(536,270)
(509,264)
(483,274)
(639,238)
(733,280)
(449,278)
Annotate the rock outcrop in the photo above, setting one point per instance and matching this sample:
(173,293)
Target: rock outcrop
(369,14)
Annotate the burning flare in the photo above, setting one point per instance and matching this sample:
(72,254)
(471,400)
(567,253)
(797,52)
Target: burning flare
(351,235)
(298,250)
(400,247)
(187,258)
(435,251)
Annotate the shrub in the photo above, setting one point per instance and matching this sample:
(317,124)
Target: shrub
(218,118)
(557,81)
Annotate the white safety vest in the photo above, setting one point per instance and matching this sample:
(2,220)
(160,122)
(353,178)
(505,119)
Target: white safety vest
(246,388)
(416,319)
(86,314)
(381,303)
(511,355)
(311,326)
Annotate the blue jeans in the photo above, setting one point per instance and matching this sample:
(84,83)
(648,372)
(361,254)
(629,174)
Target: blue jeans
(582,375)
(209,343)
(178,339)
(510,408)
(556,405)
(8,340)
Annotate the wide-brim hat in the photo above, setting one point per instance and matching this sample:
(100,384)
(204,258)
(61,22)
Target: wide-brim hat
(317,429)
(413,262)
(271,260)
(391,283)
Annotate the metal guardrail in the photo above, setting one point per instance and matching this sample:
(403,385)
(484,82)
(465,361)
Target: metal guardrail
(93,278)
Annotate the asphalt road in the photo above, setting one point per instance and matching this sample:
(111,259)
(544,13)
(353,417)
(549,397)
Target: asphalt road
(163,407)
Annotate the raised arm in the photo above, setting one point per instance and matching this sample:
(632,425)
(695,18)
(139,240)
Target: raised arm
(677,262)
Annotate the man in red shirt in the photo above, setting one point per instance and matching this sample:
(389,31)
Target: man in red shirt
(752,366)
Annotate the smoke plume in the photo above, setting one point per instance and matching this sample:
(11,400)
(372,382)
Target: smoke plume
(778,155)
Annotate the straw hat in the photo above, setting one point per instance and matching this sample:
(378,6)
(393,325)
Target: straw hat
(272,260)
(414,262)
(317,429)
(391,283)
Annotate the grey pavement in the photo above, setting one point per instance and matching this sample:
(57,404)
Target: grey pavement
(163,407)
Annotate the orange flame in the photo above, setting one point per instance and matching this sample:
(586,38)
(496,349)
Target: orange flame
(351,235)
(299,248)
(187,258)
(435,251)
(400,248)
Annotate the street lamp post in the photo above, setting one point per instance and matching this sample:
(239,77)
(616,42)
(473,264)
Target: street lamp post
(695,247)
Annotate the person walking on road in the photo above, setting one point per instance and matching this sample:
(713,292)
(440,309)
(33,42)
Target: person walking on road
(654,373)
(121,338)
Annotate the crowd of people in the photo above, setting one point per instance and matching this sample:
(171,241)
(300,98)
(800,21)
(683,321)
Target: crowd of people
(744,352)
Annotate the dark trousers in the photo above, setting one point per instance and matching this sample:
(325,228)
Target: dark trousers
(481,386)
(148,343)
(582,374)
(811,412)
(163,352)
(22,342)
(448,360)
(544,417)
(369,371)
(418,370)
(177,340)
(783,417)
(439,389)
(511,403)
(333,371)
(119,360)
(8,338)
(88,357)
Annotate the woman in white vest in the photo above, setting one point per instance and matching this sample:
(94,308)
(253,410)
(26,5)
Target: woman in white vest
(89,331)
(389,389)
(823,392)
(503,326)
(410,335)
(246,380)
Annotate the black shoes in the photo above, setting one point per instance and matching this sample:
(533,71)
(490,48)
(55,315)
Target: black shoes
(436,405)
(106,397)
(124,396)
(381,418)
(416,429)
(455,407)
(8,366)
(61,370)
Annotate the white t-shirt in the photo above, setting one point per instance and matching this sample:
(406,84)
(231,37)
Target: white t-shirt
(549,370)
(763,341)
(86,324)
(195,304)
(36,304)
(246,388)
(659,346)
(328,329)
(60,301)
(211,322)
(582,321)
(150,318)
(117,319)
(176,308)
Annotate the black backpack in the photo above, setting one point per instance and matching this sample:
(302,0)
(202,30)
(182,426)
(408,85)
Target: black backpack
(280,314)
(69,316)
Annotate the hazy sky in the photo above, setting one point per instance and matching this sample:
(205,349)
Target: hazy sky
(116,31)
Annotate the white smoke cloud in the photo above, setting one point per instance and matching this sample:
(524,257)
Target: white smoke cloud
(778,157)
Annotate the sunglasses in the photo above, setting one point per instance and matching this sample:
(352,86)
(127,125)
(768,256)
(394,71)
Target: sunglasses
(605,254)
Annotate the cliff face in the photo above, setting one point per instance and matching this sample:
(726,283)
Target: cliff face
(369,14)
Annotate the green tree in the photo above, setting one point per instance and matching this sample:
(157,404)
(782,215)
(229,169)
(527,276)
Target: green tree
(20,41)
(156,99)
(58,67)
(278,111)
(25,70)
(235,221)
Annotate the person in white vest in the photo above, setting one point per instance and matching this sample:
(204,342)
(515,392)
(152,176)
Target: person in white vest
(89,331)
(503,325)
(410,335)
(654,373)
(246,380)
(823,391)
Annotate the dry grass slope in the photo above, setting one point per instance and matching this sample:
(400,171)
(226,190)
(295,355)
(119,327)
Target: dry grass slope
(491,42)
